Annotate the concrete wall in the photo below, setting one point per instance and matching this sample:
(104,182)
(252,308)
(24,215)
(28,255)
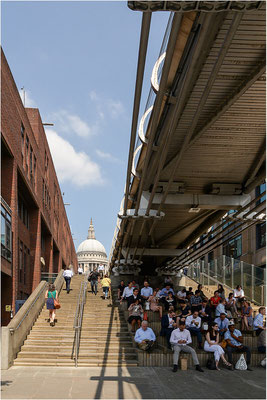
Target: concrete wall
(14,335)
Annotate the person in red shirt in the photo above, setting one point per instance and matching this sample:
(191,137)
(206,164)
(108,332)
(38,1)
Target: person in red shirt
(214,301)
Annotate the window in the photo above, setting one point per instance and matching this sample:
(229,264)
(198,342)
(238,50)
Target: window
(259,190)
(233,248)
(27,153)
(210,256)
(34,170)
(6,243)
(31,164)
(260,235)
(23,212)
(20,261)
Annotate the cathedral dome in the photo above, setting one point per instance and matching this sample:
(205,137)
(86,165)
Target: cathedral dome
(91,245)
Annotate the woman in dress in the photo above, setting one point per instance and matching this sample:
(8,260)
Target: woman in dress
(169,300)
(212,345)
(50,295)
(154,303)
(135,313)
(246,315)
(231,306)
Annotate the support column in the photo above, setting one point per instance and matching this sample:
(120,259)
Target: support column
(36,236)
(14,227)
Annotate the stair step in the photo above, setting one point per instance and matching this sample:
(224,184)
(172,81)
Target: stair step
(84,363)
(82,354)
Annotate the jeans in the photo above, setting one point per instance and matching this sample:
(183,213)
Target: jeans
(197,332)
(105,290)
(94,286)
(177,348)
(244,349)
(67,280)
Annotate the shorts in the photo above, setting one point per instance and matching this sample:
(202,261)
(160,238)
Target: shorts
(50,304)
(136,317)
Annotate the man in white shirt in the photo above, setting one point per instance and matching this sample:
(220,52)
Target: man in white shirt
(67,275)
(180,339)
(181,295)
(193,324)
(80,270)
(127,292)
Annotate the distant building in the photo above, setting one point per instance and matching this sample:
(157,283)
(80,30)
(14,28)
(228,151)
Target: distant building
(35,233)
(91,253)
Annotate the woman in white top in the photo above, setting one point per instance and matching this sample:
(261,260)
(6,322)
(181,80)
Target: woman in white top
(239,293)
(212,345)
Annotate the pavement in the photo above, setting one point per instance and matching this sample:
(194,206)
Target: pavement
(130,383)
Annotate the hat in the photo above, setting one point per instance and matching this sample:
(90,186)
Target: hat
(231,323)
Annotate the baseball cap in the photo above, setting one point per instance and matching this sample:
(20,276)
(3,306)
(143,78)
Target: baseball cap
(231,323)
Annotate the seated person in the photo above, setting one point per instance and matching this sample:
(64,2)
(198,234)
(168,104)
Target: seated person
(184,311)
(261,342)
(239,293)
(180,339)
(246,316)
(258,324)
(205,312)
(135,314)
(231,305)
(212,345)
(168,281)
(121,288)
(221,291)
(146,292)
(169,300)
(145,337)
(196,301)
(193,324)
(234,342)
(220,307)
(165,291)
(158,293)
(127,292)
(154,303)
(181,295)
(189,293)
(168,323)
(200,287)
(222,323)
(135,296)
(135,285)
(214,300)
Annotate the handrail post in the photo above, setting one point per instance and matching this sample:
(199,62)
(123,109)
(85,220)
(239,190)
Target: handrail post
(252,281)
(242,273)
(208,274)
(215,268)
(223,267)
(232,273)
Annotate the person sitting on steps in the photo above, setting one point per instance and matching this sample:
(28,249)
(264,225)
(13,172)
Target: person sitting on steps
(135,296)
(145,337)
(153,302)
(180,339)
(258,325)
(212,345)
(193,324)
(135,313)
(168,324)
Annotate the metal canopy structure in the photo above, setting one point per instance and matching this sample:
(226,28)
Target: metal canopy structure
(199,149)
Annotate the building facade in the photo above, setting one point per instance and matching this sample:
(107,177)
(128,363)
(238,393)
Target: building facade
(91,253)
(35,233)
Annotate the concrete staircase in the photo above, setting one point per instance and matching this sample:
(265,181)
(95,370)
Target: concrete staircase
(105,340)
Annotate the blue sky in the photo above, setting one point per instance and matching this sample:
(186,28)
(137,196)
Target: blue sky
(77,62)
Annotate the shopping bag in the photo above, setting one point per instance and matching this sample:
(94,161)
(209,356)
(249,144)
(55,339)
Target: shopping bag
(241,363)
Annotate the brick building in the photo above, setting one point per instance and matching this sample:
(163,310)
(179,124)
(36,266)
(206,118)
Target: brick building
(35,233)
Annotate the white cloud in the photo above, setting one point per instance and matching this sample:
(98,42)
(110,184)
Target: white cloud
(113,107)
(72,123)
(107,156)
(29,102)
(116,108)
(72,166)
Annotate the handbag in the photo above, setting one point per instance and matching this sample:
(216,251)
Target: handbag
(56,303)
(211,364)
(223,344)
(241,363)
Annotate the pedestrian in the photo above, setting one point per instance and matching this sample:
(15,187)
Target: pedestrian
(50,295)
(80,270)
(93,279)
(106,283)
(212,345)
(67,275)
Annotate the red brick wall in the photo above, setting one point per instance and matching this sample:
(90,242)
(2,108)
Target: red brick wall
(16,180)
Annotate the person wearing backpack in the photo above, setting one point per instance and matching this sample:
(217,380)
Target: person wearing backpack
(93,278)
(50,295)
(212,345)
(234,342)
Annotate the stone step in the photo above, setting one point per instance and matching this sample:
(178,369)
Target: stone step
(128,348)
(82,354)
(71,363)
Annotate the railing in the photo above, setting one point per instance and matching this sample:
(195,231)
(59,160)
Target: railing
(77,325)
(231,272)
(49,277)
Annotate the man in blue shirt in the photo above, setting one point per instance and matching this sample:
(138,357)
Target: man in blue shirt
(222,323)
(220,308)
(165,291)
(145,337)
(146,291)
(258,324)
(234,341)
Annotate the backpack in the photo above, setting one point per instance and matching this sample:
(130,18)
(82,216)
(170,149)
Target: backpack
(211,363)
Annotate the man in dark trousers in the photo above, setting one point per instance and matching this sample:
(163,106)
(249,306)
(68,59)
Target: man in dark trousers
(93,278)
(135,296)
(168,324)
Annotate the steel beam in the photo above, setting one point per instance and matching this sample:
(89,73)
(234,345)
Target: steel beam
(153,252)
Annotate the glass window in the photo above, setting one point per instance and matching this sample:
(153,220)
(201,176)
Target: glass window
(20,260)
(6,234)
(233,248)
(261,235)
(22,138)
(259,190)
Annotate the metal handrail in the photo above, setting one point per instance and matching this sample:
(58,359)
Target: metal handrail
(28,310)
(77,325)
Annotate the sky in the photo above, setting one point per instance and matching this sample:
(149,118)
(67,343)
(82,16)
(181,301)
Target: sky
(77,63)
